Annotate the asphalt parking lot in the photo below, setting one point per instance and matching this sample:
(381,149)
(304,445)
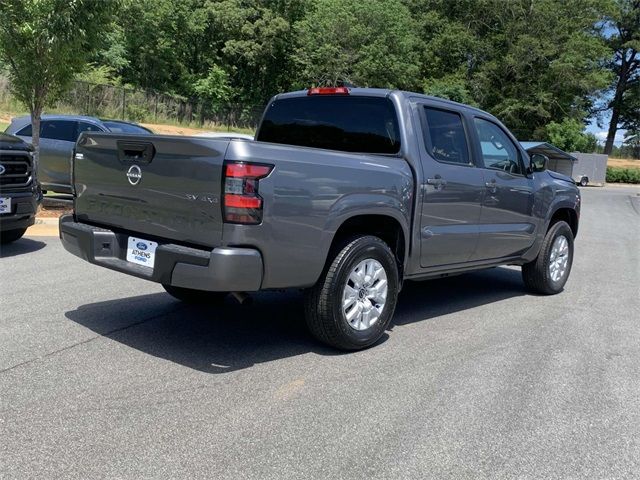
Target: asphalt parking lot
(106,376)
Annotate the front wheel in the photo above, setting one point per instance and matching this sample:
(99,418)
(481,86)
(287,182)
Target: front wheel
(584,181)
(11,235)
(549,272)
(353,302)
(190,295)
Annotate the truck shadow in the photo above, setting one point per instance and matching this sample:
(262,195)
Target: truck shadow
(21,247)
(432,298)
(221,339)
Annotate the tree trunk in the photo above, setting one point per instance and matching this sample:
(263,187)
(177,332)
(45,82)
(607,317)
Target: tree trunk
(615,117)
(616,104)
(36,113)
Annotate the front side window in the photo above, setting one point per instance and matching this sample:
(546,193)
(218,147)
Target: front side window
(58,130)
(445,137)
(498,151)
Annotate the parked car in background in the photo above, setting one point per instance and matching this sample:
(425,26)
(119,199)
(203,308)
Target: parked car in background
(19,190)
(58,135)
(227,135)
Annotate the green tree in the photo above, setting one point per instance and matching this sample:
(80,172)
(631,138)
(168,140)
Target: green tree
(164,44)
(450,87)
(371,43)
(625,64)
(44,43)
(214,87)
(173,46)
(527,62)
(451,47)
(569,136)
(255,45)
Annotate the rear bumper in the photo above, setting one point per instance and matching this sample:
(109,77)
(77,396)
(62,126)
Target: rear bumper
(224,269)
(23,210)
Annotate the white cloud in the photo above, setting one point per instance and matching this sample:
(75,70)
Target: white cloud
(602,137)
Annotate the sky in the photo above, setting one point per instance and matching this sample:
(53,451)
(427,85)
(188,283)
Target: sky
(601,133)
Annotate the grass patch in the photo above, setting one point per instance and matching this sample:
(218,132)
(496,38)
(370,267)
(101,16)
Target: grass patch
(623,163)
(193,129)
(3,126)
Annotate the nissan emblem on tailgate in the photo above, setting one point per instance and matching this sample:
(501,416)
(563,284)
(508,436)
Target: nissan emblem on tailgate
(134,174)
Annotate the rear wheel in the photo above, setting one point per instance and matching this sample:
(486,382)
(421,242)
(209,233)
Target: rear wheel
(549,272)
(190,295)
(584,181)
(11,235)
(353,302)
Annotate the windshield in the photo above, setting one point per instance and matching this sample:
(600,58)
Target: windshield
(346,123)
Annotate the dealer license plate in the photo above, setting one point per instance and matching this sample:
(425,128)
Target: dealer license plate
(142,252)
(5,205)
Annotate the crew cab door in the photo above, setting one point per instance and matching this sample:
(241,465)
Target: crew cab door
(452,188)
(506,225)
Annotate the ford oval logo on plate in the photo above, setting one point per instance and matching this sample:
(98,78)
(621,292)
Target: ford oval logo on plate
(141,246)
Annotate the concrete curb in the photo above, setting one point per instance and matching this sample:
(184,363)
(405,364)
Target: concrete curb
(622,185)
(43,227)
(46,221)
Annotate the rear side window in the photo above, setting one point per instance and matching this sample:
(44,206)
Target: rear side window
(58,130)
(445,137)
(25,132)
(121,127)
(346,123)
(87,127)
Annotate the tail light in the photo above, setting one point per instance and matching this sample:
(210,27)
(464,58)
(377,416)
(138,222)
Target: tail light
(242,204)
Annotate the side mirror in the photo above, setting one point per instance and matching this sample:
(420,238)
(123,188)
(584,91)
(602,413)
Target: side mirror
(538,162)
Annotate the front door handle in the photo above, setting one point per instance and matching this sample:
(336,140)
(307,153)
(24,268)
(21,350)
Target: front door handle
(492,186)
(438,182)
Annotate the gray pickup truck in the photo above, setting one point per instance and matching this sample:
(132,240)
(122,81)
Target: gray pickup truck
(345,193)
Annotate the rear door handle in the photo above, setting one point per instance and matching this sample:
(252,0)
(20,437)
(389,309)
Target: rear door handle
(492,186)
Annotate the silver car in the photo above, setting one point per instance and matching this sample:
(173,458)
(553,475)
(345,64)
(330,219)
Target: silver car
(58,135)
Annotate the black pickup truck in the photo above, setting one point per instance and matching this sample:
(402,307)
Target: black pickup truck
(19,191)
(344,193)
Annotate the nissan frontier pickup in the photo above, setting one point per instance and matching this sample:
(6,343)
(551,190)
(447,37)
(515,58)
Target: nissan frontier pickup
(344,193)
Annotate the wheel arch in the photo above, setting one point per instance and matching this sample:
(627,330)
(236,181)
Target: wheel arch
(385,226)
(566,214)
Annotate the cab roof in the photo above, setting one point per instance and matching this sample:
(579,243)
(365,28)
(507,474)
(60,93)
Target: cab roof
(386,92)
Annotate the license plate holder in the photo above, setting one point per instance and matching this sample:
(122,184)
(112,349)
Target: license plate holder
(141,251)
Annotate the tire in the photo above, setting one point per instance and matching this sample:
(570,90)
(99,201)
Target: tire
(584,181)
(360,257)
(11,235)
(538,275)
(189,295)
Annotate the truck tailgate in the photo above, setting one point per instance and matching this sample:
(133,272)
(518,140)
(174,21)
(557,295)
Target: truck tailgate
(160,186)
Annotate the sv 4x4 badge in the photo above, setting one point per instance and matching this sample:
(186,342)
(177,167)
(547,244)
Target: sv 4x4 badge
(202,198)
